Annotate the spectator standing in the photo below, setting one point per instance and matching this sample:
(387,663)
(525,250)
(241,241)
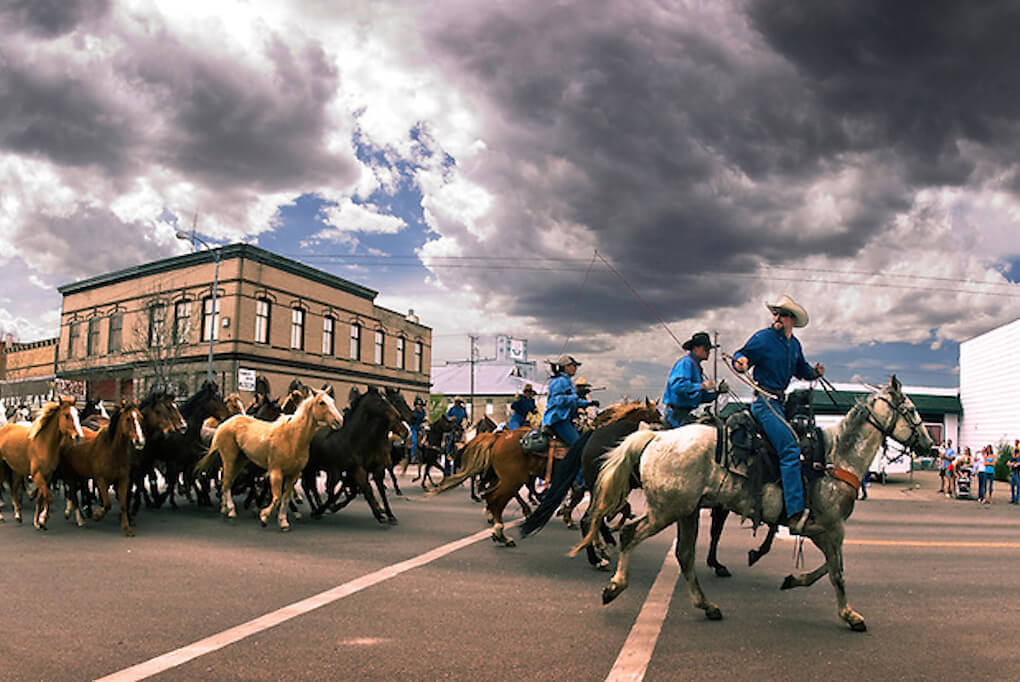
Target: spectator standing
(1014,474)
(941,464)
(977,465)
(989,472)
(947,467)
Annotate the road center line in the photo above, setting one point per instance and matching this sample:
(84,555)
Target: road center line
(212,643)
(636,653)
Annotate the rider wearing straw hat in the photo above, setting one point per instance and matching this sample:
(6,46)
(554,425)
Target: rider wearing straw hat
(521,408)
(686,388)
(563,401)
(776,356)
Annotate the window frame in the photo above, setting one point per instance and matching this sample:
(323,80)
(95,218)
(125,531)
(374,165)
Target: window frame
(155,321)
(266,319)
(418,356)
(92,337)
(380,347)
(355,341)
(114,341)
(72,335)
(401,352)
(180,336)
(297,328)
(209,318)
(328,334)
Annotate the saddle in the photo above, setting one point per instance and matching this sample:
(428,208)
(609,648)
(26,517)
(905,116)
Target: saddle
(545,444)
(744,449)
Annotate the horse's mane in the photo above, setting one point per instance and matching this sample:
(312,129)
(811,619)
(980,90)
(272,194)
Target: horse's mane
(191,403)
(619,411)
(109,432)
(153,397)
(46,417)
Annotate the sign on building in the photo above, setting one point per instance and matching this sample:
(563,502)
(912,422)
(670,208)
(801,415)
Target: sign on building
(511,349)
(245,379)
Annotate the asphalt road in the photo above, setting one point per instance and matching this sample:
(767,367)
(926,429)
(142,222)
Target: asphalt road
(936,579)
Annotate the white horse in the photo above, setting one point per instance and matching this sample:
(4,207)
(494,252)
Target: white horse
(680,476)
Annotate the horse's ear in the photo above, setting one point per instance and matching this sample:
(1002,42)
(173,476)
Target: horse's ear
(329,390)
(895,385)
(353,394)
(647,402)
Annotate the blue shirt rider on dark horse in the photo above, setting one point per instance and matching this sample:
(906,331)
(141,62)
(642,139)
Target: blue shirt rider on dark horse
(686,388)
(521,408)
(775,355)
(563,402)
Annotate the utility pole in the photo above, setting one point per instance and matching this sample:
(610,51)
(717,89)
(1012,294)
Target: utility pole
(472,357)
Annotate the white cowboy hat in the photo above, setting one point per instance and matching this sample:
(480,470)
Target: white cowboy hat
(787,304)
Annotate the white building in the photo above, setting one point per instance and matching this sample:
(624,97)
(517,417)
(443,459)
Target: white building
(990,387)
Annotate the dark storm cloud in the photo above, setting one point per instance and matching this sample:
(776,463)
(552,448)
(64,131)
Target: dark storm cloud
(694,143)
(50,18)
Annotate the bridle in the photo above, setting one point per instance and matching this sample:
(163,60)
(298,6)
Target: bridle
(900,411)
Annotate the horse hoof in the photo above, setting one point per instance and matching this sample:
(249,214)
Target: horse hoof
(392,521)
(129,533)
(509,543)
(713,613)
(787,583)
(284,529)
(602,565)
(752,557)
(722,572)
(859,627)
(609,593)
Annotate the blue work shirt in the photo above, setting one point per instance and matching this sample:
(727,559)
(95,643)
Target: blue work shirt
(457,413)
(775,359)
(523,406)
(683,387)
(563,401)
(417,417)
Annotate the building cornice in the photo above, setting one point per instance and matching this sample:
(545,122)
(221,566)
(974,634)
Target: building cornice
(228,252)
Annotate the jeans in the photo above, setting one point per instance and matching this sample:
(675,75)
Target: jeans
(1014,487)
(780,434)
(982,479)
(415,435)
(516,421)
(566,431)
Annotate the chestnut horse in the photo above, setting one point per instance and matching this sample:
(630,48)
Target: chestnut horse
(106,458)
(35,451)
(280,447)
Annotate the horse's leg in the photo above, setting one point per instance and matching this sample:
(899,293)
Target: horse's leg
(804,579)
(719,515)
(686,537)
(123,486)
(43,500)
(753,555)
(228,459)
(361,478)
(276,485)
(525,509)
(396,486)
(71,499)
(104,494)
(595,556)
(495,503)
(831,544)
(171,482)
(380,484)
(631,535)
(17,489)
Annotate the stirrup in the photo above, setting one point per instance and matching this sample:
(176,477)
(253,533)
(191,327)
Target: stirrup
(797,527)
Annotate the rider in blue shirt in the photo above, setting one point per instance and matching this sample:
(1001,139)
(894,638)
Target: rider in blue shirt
(563,401)
(417,421)
(522,408)
(776,356)
(686,388)
(458,415)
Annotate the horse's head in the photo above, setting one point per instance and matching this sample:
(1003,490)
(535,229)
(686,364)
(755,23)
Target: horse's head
(62,415)
(234,404)
(291,402)
(323,409)
(375,406)
(396,399)
(207,402)
(128,424)
(161,416)
(637,412)
(894,414)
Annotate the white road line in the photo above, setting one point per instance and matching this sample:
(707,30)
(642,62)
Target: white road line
(633,660)
(192,651)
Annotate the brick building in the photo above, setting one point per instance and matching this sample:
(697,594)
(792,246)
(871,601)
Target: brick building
(27,371)
(125,330)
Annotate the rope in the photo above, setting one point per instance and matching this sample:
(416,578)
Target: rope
(638,297)
(577,299)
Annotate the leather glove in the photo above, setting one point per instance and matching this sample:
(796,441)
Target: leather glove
(723,386)
(593,403)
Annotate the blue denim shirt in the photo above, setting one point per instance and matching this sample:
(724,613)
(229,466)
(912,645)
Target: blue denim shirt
(683,387)
(417,417)
(775,359)
(562,402)
(523,406)
(457,413)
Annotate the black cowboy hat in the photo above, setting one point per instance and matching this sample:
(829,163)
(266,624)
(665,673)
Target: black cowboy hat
(700,339)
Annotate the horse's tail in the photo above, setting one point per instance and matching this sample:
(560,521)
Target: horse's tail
(475,458)
(613,483)
(209,458)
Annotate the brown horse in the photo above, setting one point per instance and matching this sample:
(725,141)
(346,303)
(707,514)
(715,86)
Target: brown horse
(35,451)
(281,447)
(106,458)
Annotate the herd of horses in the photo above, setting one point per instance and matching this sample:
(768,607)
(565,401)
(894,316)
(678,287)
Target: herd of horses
(268,447)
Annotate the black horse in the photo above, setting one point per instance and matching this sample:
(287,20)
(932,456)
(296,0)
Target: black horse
(358,449)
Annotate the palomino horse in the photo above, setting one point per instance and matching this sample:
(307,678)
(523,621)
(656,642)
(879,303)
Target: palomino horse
(280,447)
(106,457)
(679,476)
(35,451)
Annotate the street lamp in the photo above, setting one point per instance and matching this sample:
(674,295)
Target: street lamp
(190,236)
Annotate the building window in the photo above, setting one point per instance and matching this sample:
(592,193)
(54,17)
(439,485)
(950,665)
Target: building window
(182,322)
(262,320)
(355,341)
(400,352)
(378,348)
(489,407)
(157,323)
(297,329)
(116,325)
(327,335)
(209,318)
(92,340)
(72,338)
(417,356)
